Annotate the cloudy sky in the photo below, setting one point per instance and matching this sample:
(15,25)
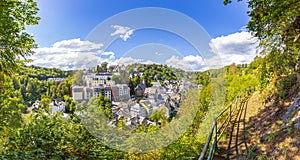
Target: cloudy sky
(193,35)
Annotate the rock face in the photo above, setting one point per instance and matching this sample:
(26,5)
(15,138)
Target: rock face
(293,113)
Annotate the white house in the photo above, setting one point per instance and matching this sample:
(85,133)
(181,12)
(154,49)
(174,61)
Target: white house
(57,105)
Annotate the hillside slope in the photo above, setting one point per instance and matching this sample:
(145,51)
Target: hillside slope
(273,129)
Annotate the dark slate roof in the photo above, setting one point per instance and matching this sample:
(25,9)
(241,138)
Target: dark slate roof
(77,89)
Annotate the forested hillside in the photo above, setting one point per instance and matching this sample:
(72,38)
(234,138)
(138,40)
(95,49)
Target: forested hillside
(157,72)
(35,82)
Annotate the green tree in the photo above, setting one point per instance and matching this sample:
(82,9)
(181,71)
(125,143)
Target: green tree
(276,23)
(77,78)
(104,66)
(70,104)
(159,115)
(14,41)
(11,106)
(64,88)
(105,105)
(117,78)
(16,83)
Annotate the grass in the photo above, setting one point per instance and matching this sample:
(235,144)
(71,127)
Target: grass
(270,137)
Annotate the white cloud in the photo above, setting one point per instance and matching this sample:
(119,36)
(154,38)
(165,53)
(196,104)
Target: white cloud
(159,54)
(189,63)
(110,54)
(122,31)
(77,44)
(70,54)
(78,54)
(130,60)
(240,47)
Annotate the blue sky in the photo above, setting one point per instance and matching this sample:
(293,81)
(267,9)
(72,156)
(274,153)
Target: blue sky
(67,19)
(71,22)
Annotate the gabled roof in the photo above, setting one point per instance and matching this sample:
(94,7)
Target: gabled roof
(140,87)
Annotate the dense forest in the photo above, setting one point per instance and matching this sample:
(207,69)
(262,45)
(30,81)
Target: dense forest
(274,74)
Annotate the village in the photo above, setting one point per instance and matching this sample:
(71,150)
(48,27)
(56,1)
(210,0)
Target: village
(133,104)
(134,108)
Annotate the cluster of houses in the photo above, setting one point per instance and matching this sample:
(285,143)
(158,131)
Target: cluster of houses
(165,97)
(56,105)
(134,110)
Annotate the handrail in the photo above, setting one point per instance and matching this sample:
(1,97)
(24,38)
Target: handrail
(215,130)
(207,142)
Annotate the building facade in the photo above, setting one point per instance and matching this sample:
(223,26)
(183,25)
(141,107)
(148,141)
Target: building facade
(100,83)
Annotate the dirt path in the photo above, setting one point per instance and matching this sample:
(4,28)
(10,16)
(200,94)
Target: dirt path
(235,146)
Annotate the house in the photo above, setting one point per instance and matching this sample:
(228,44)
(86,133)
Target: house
(151,93)
(104,76)
(56,79)
(135,110)
(155,92)
(66,116)
(133,74)
(146,108)
(57,105)
(35,105)
(80,93)
(142,109)
(77,93)
(96,79)
(100,83)
(103,90)
(200,86)
(120,92)
(140,89)
(123,112)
